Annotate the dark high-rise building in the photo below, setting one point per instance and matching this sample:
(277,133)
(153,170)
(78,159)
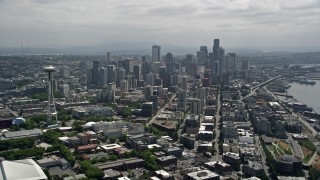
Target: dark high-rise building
(216,45)
(245,65)
(233,59)
(192,69)
(143,59)
(103,76)
(137,72)
(108,58)
(220,58)
(189,58)
(121,73)
(156,53)
(170,63)
(127,65)
(146,69)
(96,72)
(201,57)
(111,69)
(205,50)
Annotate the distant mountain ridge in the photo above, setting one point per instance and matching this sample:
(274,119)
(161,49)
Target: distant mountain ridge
(142,48)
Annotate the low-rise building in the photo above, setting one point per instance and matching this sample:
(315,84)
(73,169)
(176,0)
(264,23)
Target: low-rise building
(164,175)
(219,167)
(21,169)
(204,146)
(111,174)
(110,147)
(202,175)
(205,135)
(90,148)
(175,151)
(22,134)
(253,168)
(123,164)
(141,142)
(233,159)
(167,160)
(188,140)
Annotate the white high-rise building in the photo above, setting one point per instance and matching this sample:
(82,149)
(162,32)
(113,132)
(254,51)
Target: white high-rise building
(201,94)
(156,53)
(124,85)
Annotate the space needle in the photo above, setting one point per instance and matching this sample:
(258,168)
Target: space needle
(51,105)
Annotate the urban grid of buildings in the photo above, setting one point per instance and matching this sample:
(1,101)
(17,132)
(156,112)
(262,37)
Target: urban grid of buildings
(209,115)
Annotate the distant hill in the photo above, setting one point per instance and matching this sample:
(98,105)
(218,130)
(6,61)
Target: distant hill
(139,48)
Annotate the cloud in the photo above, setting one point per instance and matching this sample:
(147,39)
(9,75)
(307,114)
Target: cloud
(188,22)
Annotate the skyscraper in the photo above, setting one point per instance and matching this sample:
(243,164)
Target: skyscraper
(182,100)
(148,90)
(195,106)
(124,85)
(205,50)
(220,58)
(137,72)
(103,76)
(170,63)
(108,58)
(156,53)
(111,69)
(233,59)
(201,56)
(96,72)
(121,73)
(245,65)
(146,69)
(216,45)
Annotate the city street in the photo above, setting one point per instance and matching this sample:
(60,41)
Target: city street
(217,130)
(263,155)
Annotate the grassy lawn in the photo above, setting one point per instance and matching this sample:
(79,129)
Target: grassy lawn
(270,147)
(308,144)
(308,149)
(289,151)
(307,158)
(275,151)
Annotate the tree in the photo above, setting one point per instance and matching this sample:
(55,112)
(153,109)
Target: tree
(64,115)
(113,157)
(27,142)
(51,136)
(28,124)
(112,140)
(90,170)
(314,173)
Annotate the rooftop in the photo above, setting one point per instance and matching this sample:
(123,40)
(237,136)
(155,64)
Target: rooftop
(203,174)
(23,133)
(27,169)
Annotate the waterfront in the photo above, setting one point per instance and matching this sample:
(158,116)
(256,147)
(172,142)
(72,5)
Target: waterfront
(307,94)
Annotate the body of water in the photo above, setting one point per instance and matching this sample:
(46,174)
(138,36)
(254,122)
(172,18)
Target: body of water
(307,94)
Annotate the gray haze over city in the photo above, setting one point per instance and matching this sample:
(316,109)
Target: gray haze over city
(288,25)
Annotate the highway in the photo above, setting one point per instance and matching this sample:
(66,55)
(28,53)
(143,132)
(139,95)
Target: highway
(253,89)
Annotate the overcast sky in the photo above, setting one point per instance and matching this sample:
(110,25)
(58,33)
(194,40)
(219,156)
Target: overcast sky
(238,23)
